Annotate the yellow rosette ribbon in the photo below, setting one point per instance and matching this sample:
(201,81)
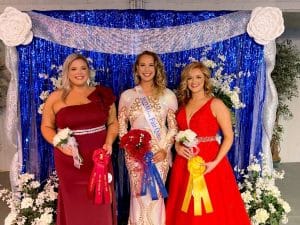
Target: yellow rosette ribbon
(197,187)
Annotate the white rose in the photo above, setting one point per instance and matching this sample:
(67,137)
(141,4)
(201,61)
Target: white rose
(56,140)
(254,167)
(187,137)
(46,218)
(62,137)
(10,219)
(191,135)
(261,216)
(15,27)
(266,24)
(26,203)
(285,205)
(64,133)
(35,184)
(284,219)
(247,197)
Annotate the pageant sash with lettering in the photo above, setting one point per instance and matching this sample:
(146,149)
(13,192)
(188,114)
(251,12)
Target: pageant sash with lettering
(149,115)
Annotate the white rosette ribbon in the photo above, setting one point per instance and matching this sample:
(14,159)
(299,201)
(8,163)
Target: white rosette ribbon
(15,27)
(64,139)
(265,24)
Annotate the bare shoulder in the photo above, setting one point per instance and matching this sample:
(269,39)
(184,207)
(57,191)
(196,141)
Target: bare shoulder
(218,106)
(216,102)
(55,96)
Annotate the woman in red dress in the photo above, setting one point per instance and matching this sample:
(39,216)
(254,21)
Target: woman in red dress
(90,113)
(205,115)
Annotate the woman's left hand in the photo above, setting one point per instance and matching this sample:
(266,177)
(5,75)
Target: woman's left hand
(159,156)
(210,166)
(107,148)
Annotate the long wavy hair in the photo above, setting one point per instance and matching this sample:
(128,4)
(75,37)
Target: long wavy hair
(159,79)
(66,86)
(183,92)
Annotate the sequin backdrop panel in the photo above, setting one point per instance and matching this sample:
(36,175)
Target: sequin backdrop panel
(115,71)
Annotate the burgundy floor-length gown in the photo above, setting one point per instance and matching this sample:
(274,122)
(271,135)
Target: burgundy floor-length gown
(228,206)
(75,206)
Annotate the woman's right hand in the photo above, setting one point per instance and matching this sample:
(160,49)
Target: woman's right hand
(66,150)
(183,150)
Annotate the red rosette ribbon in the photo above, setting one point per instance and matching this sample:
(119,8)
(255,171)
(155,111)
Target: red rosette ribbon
(137,143)
(98,184)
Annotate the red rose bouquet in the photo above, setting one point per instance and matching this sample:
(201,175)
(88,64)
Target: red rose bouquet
(137,143)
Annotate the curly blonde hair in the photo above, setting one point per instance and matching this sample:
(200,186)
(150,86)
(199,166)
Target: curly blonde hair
(66,86)
(159,79)
(183,93)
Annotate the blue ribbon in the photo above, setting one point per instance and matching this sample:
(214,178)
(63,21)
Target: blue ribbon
(150,176)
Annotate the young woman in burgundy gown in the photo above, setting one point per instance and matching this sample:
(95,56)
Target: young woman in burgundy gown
(90,113)
(205,115)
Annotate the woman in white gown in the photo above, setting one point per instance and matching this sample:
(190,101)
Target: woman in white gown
(151,91)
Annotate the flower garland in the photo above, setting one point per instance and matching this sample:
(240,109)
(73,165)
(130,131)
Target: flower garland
(32,203)
(261,196)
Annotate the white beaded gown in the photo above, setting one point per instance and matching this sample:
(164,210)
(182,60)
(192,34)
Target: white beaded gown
(144,210)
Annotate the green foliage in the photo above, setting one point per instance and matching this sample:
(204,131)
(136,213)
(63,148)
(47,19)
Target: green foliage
(285,76)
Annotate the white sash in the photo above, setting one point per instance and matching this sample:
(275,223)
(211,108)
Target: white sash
(149,115)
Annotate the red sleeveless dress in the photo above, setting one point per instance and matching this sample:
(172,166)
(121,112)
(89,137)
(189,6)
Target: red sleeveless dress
(75,207)
(228,206)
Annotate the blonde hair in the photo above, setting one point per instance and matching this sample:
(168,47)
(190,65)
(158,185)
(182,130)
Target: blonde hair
(159,79)
(66,86)
(183,93)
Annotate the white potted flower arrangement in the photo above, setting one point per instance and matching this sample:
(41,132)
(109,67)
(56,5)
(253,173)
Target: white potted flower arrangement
(261,196)
(32,203)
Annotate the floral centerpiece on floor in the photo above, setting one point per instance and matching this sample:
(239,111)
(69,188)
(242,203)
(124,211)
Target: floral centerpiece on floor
(32,203)
(261,196)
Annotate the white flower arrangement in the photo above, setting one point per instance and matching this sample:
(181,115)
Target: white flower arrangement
(266,24)
(261,196)
(222,82)
(222,90)
(32,203)
(15,27)
(187,138)
(64,138)
(56,81)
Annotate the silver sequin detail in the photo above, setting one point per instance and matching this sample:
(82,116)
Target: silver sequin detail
(89,131)
(270,104)
(134,41)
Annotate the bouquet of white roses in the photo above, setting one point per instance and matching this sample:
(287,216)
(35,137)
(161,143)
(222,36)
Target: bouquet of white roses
(187,138)
(32,203)
(262,197)
(64,138)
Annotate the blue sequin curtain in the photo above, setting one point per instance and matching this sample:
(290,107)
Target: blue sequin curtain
(115,71)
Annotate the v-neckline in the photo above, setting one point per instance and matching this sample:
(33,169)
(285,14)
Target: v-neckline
(189,120)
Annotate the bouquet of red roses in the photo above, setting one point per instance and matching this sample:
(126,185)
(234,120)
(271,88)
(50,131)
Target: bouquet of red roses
(137,143)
